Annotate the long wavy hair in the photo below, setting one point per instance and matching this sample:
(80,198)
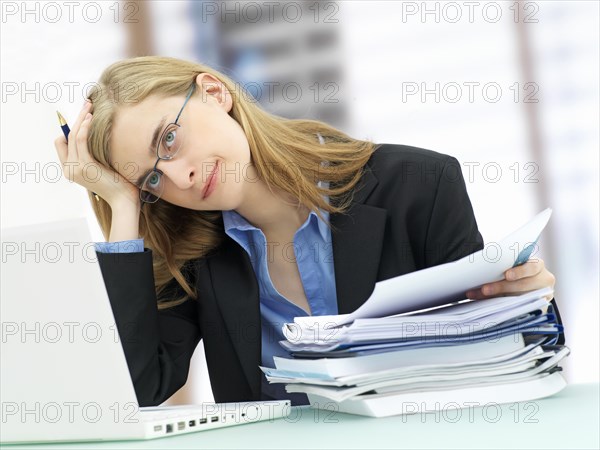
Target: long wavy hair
(286,153)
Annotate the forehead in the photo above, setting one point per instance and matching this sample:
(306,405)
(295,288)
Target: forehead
(132,130)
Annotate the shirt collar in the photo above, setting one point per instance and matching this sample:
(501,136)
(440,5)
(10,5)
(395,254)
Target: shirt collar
(232,220)
(235,221)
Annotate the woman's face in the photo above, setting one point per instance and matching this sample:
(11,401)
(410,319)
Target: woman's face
(210,135)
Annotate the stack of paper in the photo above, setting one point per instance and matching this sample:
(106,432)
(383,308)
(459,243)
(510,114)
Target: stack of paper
(377,366)
(463,353)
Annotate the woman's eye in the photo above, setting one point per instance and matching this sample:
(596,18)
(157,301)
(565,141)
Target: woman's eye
(153,181)
(170,138)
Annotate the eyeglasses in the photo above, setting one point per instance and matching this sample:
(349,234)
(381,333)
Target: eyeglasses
(168,145)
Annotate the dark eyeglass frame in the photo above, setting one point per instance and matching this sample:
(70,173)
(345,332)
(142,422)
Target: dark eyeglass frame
(168,157)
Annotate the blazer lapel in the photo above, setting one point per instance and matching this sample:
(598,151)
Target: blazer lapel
(357,243)
(236,290)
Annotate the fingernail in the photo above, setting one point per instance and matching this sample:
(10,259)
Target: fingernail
(88,116)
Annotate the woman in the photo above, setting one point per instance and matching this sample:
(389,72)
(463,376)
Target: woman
(234,221)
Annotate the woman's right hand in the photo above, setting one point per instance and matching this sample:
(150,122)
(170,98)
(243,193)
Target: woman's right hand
(77,163)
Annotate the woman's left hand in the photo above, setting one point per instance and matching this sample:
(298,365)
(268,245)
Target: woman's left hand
(527,277)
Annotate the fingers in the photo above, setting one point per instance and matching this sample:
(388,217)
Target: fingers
(72,152)
(81,116)
(529,269)
(76,159)
(478,294)
(61,148)
(512,287)
(528,277)
(81,139)
(509,288)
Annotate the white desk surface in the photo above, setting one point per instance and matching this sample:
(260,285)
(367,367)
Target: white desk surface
(568,419)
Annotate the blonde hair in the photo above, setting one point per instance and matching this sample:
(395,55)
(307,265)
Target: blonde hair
(286,153)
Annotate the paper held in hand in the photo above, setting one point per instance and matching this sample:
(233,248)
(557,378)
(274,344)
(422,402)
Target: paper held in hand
(437,285)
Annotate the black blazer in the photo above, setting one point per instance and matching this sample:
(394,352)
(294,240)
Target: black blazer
(410,211)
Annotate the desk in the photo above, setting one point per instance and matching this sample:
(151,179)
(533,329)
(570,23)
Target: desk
(567,420)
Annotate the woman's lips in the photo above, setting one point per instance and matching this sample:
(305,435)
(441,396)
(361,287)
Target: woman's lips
(210,182)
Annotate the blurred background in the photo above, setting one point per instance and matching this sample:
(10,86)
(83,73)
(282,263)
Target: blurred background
(509,88)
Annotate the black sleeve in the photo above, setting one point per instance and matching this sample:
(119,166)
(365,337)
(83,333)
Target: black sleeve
(158,344)
(452,232)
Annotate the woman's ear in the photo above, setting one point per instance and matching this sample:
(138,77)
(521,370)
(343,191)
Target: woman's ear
(211,88)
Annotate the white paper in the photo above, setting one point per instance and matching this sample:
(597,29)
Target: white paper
(441,284)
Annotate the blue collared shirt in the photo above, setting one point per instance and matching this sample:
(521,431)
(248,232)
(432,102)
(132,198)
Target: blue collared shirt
(312,250)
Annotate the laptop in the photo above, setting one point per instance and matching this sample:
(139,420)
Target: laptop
(64,376)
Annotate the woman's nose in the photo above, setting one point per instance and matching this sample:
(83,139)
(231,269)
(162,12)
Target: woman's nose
(182,174)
